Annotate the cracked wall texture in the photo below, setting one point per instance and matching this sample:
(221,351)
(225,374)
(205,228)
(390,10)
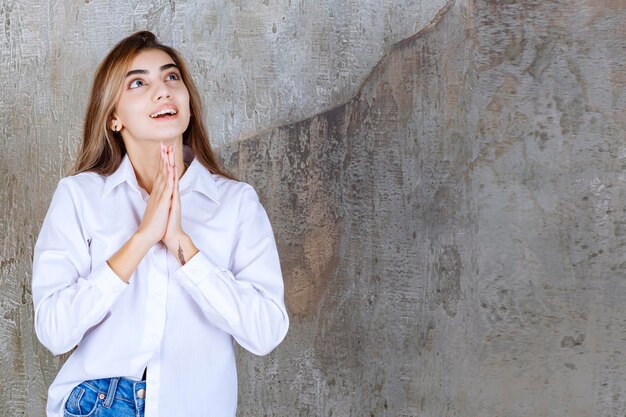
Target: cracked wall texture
(444,180)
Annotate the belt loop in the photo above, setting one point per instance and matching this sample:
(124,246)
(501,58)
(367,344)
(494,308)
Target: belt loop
(111,392)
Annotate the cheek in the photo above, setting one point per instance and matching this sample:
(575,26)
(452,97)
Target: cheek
(184,98)
(187,103)
(130,110)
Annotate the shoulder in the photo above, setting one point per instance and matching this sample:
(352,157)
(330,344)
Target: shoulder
(234,191)
(241,200)
(83,180)
(73,195)
(85,185)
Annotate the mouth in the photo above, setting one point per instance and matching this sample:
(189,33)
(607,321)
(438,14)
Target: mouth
(166,113)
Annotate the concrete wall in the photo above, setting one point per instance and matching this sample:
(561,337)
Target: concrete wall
(444,180)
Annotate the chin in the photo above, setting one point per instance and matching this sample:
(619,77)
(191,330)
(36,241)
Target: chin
(167,135)
(164,134)
(156,133)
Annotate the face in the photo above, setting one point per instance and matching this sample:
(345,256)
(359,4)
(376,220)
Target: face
(154,104)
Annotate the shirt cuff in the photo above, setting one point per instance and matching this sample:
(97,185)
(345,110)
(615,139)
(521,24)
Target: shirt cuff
(106,280)
(197,268)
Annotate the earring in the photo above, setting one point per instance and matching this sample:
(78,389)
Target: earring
(115,129)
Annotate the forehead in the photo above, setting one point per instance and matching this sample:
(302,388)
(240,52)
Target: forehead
(150,59)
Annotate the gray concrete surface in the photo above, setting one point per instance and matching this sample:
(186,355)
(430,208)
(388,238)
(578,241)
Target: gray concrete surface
(445,183)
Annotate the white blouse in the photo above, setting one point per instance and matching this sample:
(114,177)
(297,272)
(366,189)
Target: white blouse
(180,322)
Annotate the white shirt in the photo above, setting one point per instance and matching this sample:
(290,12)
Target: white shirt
(180,322)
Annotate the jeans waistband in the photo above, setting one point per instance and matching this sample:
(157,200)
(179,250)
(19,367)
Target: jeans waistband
(119,387)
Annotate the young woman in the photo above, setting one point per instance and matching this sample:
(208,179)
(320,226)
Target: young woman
(152,260)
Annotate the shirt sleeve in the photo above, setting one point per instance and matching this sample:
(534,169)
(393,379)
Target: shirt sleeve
(247,301)
(69,296)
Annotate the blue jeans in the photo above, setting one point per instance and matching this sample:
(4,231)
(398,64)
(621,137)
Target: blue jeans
(108,397)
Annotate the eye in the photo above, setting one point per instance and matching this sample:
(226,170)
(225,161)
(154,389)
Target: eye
(135,84)
(172,76)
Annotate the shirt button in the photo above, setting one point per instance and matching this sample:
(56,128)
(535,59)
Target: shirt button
(101,396)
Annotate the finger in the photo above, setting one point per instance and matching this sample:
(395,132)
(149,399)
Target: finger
(166,160)
(161,185)
(161,160)
(176,195)
(161,174)
(167,173)
(176,183)
(165,193)
(171,155)
(158,179)
(170,180)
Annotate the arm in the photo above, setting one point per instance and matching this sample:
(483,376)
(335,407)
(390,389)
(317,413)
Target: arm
(69,295)
(247,301)
(153,224)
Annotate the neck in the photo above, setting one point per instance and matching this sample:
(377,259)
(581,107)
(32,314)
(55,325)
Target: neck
(146,157)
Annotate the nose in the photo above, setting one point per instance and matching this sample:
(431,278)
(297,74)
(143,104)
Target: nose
(161,91)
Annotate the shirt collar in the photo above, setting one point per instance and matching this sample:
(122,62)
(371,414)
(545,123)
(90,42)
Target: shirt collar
(124,172)
(196,178)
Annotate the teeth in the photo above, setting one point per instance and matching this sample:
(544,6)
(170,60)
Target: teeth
(164,111)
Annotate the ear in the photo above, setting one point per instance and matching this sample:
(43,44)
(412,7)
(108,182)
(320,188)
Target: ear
(115,124)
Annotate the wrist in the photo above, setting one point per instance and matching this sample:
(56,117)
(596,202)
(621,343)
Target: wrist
(173,241)
(141,241)
(183,248)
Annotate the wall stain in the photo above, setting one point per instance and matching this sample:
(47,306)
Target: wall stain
(447,269)
(7,262)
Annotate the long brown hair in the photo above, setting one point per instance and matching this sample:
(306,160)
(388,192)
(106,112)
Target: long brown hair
(102,149)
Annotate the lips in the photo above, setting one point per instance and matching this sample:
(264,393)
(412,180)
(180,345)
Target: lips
(165,112)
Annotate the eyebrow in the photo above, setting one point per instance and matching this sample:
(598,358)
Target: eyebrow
(143,71)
